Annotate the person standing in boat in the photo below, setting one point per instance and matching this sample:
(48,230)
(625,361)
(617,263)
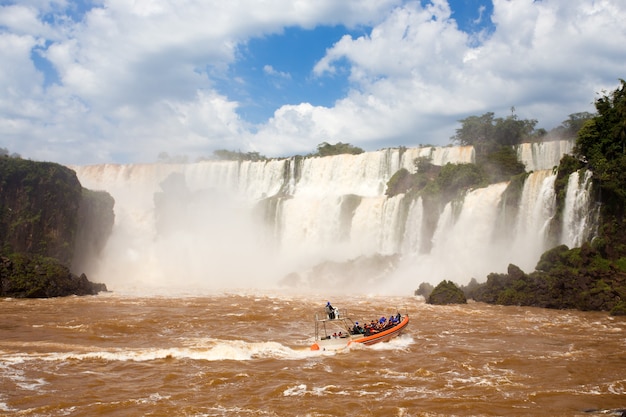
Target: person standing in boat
(330,310)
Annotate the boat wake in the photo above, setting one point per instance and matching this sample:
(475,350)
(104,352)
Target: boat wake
(207,349)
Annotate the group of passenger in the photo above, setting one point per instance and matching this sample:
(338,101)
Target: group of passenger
(376,326)
(373,327)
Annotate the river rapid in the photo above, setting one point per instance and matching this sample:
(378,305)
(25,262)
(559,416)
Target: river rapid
(248,355)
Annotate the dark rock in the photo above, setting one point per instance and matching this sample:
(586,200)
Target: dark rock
(95,224)
(25,276)
(447,293)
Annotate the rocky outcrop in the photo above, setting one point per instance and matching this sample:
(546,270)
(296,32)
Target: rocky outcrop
(45,214)
(355,273)
(564,278)
(446,293)
(27,276)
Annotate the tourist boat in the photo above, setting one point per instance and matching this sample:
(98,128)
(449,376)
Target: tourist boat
(341,331)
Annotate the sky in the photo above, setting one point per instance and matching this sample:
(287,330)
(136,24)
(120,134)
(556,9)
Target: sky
(124,81)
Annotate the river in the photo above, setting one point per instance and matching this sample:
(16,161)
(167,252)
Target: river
(248,355)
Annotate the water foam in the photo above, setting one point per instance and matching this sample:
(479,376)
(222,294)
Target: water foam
(198,349)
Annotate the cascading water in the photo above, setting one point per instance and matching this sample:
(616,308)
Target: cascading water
(579,218)
(543,155)
(197,225)
(536,209)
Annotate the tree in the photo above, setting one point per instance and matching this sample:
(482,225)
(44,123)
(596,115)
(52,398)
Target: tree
(476,131)
(569,128)
(326,149)
(5,152)
(486,133)
(511,131)
(455,179)
(226,155)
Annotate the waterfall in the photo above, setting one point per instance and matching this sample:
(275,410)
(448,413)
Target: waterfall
(543,155)
(464,243)
(198,225)
(578,218)
(536,209)
(412,237)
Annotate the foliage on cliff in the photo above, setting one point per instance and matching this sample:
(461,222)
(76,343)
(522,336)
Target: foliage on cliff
(601,145)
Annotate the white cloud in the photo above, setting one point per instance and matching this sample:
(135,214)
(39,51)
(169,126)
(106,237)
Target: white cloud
(415,68)
(269,70)
(137,78)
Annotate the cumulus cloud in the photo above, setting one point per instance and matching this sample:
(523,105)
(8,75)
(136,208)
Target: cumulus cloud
(416,73)
(132,79)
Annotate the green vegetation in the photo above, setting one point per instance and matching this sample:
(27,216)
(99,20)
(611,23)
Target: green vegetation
(496,159)
(446,293)
(488,134)
(225,155)
(601,145)
(619,309)
(326,149)
(323,149)
(33,276)
(569,128)
(564,278)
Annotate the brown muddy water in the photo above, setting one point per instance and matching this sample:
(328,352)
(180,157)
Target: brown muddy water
(248,355)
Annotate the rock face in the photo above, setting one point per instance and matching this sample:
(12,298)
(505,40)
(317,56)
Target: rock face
(95,224)
(44,215)
(39,203)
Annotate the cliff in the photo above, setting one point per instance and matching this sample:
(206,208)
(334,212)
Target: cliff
(44,215)
(39,202)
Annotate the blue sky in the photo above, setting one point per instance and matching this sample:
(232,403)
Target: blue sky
(278,68)
(116,81)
